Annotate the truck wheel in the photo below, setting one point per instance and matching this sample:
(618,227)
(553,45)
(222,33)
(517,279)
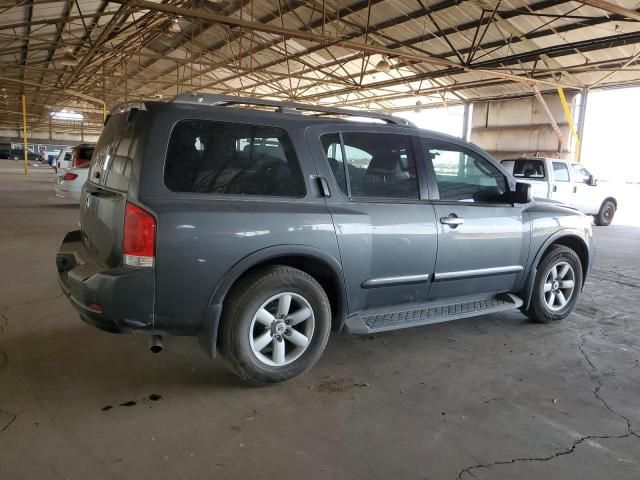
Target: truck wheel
(275,325)
(557,285)
(607,210)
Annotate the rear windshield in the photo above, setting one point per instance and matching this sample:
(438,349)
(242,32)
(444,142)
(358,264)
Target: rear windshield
(525,167)
(232,158)
(85,153)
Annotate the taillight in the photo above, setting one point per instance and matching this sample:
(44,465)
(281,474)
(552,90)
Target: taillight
(69,176)
(139,240)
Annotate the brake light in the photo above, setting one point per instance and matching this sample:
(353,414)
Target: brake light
(139,239)
(69,176)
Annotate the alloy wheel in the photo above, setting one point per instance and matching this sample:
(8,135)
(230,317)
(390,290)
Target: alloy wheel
(559,286)
(281,329)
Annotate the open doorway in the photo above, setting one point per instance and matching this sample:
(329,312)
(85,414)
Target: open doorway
(610,146)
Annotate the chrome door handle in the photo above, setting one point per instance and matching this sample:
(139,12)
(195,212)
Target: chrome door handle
(452,220)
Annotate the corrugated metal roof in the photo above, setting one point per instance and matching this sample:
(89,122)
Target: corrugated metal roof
(440,52)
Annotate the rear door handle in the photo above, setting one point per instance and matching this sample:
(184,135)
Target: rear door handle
(452,220)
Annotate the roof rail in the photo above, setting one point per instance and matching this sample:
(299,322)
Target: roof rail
(282,106)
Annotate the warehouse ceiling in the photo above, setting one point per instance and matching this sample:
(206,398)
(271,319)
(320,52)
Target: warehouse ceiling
(379,55)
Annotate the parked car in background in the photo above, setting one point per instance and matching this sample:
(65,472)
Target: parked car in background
(260,231)
(18,154)
(5,148)
(69,182)
(74,157)
(64,159)
(567,182)
(73,168)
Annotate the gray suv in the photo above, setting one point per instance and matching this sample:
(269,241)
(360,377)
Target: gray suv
(261,226)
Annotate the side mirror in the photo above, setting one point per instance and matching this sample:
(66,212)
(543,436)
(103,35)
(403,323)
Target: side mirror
(593,181)
(522,193)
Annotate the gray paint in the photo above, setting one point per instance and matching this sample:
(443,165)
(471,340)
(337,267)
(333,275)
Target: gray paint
(205,241)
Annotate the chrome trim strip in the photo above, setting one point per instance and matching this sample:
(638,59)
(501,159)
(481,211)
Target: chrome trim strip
(481,272)
(390,281)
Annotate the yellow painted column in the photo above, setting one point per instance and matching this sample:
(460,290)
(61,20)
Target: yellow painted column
(24,127)
(569,118)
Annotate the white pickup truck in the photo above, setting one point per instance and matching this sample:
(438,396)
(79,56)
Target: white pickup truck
(567,182)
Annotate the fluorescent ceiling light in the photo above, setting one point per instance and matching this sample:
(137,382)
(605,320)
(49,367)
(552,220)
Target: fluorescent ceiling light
(175,26)
(383,65)
(66,115)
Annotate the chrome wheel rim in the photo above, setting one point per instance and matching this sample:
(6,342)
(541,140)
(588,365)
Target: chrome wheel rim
(559,286)
(281,329)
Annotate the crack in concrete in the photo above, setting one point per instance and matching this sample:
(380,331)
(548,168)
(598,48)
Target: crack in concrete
(568,451)
(11,420)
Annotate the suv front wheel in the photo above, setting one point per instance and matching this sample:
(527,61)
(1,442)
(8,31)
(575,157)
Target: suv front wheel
(275,325)
(557,285)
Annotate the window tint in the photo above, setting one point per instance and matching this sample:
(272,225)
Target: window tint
(229,158)
(528,168)
(560,172)
(580,174)
(377,165)
(463,176)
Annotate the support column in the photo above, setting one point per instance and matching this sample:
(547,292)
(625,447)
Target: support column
(24,128)
(582,113)
(465,120)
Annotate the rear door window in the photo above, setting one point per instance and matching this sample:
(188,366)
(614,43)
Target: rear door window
(229,158)
(528,168)
(378,165)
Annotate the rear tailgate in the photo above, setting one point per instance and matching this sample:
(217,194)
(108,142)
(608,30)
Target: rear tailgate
(104,195)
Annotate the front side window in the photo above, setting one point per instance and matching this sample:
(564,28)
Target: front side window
(463,176)
(560,172)
(378,165)
(580,174)
(230,158)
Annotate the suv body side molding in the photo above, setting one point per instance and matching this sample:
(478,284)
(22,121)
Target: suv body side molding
(480,272)
(391,281)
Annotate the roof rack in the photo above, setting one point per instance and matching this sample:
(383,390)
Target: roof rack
(283,107)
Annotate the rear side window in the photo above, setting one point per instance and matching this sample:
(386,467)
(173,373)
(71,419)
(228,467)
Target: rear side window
(111,166)
(378,165)
(229,158)
(528,168)
(560,172)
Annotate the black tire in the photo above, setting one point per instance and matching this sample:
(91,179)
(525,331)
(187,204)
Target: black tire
(606,213)
(246,298)
(538,310)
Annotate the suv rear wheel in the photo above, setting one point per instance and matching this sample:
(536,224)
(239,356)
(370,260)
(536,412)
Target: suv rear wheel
(275,325)
(557,285)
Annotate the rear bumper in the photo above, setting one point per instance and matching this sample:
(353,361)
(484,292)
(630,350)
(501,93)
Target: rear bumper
(117,300)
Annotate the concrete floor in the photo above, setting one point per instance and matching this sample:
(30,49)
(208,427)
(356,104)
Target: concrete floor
(493,397)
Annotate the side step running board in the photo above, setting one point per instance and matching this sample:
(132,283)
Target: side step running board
(371,321)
